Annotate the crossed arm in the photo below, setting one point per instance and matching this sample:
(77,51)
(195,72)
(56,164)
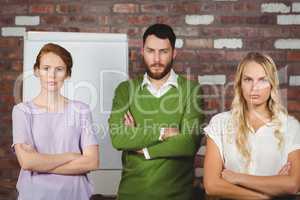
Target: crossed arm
(283,183)
(229,184)
(64,163)
(128,136)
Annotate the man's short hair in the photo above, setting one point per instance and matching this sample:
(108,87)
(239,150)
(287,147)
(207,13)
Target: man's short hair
(162,31)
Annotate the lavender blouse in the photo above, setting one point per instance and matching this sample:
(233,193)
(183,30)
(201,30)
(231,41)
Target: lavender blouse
(53,133)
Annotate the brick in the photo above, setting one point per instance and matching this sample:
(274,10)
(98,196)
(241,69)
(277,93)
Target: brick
(6,20)
(53,20)
(293,93)
(232,43)
(44,1)
(179,43)
(288,19)
(96,8)
(13,31)
(254,20)
(184,55)
(208,7)
(172,20)
(130,31)
(68,8)
(275,8)
(183,8)
(264,19)
(186,31)
(27,20)
(8,76)
(84,19)
(135,43)
(211,104)
(293,56)
(64,28)
(126,8)
(198,43)
(9,174)
(258,44)
(14,9)
(8,163)
(154,8)
(199,19)
(294,81)
(140,20)
(212,79)
(212,68)
(243,6)
(9,42)
(133,54)
(275,32)
(41,9)
(277,55)
(224,7)
(293,106)
(104,29)
(296,7)
(133,20)
(88,29)
(7,184)
(231,20)
(236,56)
(211,55)
(232,31)
(287,44)
(6,108)
(7,99)
(103,20)
(14,65)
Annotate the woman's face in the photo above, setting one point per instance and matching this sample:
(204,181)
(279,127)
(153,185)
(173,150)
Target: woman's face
(52,72)
(256,88)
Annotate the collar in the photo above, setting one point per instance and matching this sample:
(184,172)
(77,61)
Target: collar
(172,80)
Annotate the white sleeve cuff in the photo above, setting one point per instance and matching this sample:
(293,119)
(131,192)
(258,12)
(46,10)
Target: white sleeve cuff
(146,153)
(162,132)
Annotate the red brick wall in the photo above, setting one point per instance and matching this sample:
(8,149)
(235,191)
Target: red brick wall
(250,25)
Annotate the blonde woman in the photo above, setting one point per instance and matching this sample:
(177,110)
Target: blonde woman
(253,150)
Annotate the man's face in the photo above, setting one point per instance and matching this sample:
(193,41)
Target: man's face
(158,57)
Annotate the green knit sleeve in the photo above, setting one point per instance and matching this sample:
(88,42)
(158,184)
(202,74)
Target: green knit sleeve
(187,142)
(124,137)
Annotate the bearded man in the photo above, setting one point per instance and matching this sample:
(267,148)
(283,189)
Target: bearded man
(155,122)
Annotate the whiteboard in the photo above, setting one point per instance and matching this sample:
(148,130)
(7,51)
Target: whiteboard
(100,63)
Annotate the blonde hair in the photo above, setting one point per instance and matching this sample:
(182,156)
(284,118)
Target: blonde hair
(239,105)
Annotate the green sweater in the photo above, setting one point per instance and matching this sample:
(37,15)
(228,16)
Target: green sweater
(169,173)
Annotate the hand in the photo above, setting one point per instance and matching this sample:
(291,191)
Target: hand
(285,170)
(170,132)
(129,120)
(230,176)
(140,151)
(28,148)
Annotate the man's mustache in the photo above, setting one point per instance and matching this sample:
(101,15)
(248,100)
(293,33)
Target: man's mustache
(157,65)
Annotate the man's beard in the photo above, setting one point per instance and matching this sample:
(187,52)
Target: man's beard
(158,76)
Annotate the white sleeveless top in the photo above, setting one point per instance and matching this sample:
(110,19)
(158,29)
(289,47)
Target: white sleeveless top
(266,158)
